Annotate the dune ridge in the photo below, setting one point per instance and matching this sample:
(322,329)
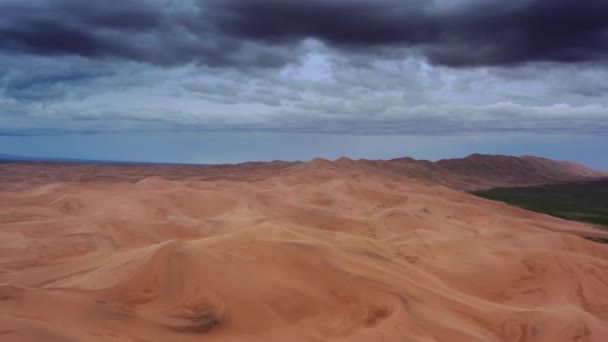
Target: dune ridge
(317,251)
(474,172)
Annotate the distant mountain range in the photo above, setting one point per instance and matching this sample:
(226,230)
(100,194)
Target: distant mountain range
(479,171)
(10,157)
(17,158)
(474,172)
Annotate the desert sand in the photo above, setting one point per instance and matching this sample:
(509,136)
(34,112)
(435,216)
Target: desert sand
(474,172)
(315,251)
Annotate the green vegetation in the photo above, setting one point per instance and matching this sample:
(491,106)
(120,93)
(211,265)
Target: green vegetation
(599,240)
(587,202)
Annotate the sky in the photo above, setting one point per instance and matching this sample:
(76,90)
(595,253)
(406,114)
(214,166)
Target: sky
(214,81)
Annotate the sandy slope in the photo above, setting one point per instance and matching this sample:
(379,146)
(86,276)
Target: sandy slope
(477,171)
(319,251)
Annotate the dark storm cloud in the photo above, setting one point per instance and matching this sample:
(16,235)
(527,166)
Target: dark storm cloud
(48,84)
(66,27)
(345,66)
(161,32)
(471,33)
(264,32)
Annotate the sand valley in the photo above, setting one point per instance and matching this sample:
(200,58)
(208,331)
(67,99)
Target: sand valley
(315,251)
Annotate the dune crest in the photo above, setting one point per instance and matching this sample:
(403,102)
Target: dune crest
(477,171)
(316,251)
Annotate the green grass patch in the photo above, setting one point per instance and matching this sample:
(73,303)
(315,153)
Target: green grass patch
(599,240)
(586,202)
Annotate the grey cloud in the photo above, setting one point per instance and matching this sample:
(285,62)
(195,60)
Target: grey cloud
(263,33)
(44,80)
(341,66)
(159,32)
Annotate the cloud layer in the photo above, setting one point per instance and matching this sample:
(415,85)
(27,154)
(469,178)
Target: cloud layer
(346,66)
(262,32)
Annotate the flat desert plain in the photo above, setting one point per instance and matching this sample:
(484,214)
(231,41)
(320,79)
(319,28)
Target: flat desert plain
(315,251)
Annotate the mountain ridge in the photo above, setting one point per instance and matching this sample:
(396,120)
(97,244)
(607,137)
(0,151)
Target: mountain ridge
(474,172)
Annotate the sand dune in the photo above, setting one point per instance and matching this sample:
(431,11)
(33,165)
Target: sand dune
(317,251)
(474,172)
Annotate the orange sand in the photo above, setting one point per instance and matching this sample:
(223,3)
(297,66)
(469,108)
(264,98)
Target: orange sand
(317,251)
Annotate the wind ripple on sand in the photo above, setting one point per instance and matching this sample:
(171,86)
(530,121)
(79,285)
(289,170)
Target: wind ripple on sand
(311,255)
